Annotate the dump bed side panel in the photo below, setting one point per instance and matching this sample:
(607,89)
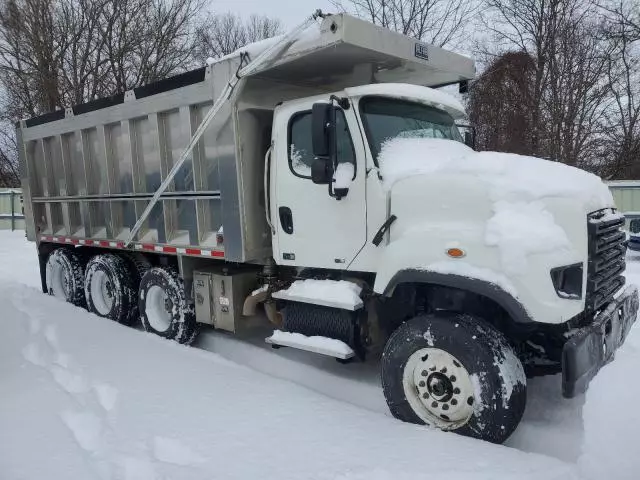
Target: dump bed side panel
(90,174)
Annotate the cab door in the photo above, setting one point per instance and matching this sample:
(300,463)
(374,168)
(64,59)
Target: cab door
(312,228)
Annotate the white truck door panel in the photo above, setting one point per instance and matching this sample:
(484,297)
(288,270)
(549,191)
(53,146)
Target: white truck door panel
(312,228)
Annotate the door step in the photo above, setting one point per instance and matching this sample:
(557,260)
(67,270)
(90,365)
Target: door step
(322,345)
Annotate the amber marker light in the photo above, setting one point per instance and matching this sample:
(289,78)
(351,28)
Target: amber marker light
(455,252)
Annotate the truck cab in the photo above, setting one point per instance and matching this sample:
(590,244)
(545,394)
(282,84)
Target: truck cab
(309,213)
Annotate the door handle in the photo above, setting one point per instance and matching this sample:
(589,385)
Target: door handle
(286,219)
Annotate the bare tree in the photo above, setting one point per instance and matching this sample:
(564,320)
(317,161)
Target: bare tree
(500,104)
(140,52)
(576,91)
(529,26)
(9,176)
(568,89)
(58,53)
(55,53)
(222,34)
(622,29)
(30,58)
(439,22)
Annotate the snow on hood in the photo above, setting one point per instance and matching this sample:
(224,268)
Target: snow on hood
(509,176)
(521,224)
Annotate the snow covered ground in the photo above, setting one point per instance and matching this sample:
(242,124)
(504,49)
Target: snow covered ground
(84,398)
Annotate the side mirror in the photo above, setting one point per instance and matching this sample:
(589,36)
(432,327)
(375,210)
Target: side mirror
(470,140)
(323,138)
(323,127)
(321,171)
(468,134)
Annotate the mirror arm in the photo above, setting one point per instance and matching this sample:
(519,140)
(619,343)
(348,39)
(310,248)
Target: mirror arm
(342,102)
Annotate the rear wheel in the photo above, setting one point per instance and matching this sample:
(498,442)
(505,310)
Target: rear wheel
(454,372)
(65,276)
(164,307)
(110,288)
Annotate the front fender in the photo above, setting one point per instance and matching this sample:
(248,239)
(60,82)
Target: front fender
(421,256)
(483,287)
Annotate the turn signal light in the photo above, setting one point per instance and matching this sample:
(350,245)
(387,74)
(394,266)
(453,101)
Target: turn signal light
(455,252)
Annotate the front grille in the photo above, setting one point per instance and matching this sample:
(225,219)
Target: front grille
(606,257)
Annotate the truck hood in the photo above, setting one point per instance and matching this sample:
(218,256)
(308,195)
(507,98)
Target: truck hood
(505,177)
(524,211)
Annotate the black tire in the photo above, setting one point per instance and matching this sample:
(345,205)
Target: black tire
(65,276)
(498,403)
(164,307)
(110,288)
(140,264)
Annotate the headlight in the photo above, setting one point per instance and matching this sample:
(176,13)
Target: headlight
(568,281)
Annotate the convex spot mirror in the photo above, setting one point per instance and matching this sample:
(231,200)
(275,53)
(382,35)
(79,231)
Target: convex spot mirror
(321,171)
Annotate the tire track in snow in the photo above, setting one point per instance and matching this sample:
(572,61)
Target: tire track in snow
(90,420)
(88,426)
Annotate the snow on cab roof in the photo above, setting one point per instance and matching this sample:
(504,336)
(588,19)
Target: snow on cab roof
(413,93)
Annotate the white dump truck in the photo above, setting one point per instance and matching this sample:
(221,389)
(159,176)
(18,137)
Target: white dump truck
(318,181)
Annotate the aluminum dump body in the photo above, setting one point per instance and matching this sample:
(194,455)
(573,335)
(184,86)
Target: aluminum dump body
(89,171)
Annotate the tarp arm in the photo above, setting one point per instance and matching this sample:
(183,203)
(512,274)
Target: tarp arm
(268,55)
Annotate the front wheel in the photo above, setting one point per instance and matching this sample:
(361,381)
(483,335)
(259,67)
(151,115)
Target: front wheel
(164,307)
(454,372)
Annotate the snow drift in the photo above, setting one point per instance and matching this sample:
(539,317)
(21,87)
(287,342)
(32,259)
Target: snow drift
(82,397)
(133,406)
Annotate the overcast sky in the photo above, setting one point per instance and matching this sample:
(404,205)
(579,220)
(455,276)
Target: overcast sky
(291,12)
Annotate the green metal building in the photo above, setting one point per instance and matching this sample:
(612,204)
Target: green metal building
(11,215)
(626,194)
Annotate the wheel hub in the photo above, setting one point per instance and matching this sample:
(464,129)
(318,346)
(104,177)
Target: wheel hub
(103,294)
(159,309)
(168,304)
(439,388)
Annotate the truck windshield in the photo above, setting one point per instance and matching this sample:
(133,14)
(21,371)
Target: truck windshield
(386,118)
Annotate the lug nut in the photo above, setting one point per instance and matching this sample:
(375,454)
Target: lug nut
(456,391)
(421,383)
(470,400)
(454,401)
(434,404)
(432,369)
(444,370)
(425,395)
(453,378)
(424,373)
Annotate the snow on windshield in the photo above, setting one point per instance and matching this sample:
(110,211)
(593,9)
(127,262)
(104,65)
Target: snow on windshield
(388,118)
